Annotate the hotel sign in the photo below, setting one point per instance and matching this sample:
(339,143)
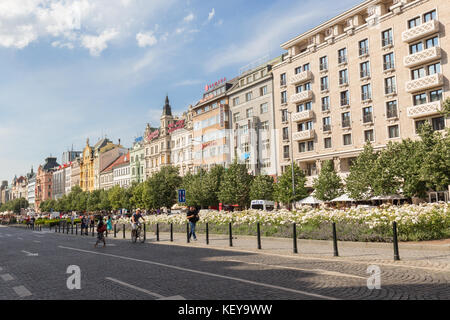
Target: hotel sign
(176,126)
(153,135)
(215,84)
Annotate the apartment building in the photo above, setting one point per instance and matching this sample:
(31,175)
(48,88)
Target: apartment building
(182,143)
(212,127)
(137,160)
(374,73)
(253,135)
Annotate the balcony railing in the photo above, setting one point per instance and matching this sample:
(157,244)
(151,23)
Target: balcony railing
(392,113)
(326,127)
(323,66)
(301,77)
(343,81)
(303,135)
(301,96)
(424,83)
(282,83)
(425,109)
(390,89)
(367,118)
(325,107)
(388,65)
(346,123)
(365,74)
(422,57)
(342,59)
(366,96)
(363,51)
(323,87)
(303,115)
(345,102)
(386,41)
(420,31)
(286,155)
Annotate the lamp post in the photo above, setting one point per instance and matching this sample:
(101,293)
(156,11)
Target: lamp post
(292,154)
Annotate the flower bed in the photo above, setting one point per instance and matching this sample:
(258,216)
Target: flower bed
(415,222)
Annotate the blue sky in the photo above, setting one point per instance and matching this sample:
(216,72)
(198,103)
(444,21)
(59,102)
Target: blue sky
(77,69)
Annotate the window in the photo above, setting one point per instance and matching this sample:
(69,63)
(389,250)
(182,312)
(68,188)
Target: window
(386,38)
(416,47)
(346,119)
(388,61)
(249,79)
(299,89)
(347,139)
(326,124)
(283,97)
(432,42)
(298,70)
(306,67)
(368,135)
(364,47)
(434,68)
(286,152)
(413,22)
(367,115)
(249,113)
(418,73)
(284,115)
(283,79)
(305,126)
(323,63)
(302,147)
(263,91)
(304,106)
(438,123)
(286,133)
(236,117)
(266,145)
(325,103)
(264,108)
(365,69)
(391,109)
(366,92)
(420,98)
(324,83)
(310,145)
(342,55)
(436,95)
(345,99)
(235,101)
(248,96)
(418,124)
(327,143)
(265,125)
(389,85)
(393,131)
(429,16)
(343,77)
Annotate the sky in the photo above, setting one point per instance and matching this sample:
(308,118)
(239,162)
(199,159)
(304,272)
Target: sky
(77,69)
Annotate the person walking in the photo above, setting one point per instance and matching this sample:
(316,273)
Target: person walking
(101,228)
(84,224)
(109,224)
(193,217)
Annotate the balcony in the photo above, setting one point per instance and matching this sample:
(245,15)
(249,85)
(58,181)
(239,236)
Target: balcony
(424,83)
(301,77)
(346,123)
(422,57)
(303,135)
(420,31)
(387,42)
(366,96)
(303,115)
(423,110)
(390,90)
(392,113)
(342,60)
(367,118)
(326,127)
(301,96)
(323,67)
(363,52)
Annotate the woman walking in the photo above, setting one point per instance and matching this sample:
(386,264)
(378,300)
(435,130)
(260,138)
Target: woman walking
(101,228)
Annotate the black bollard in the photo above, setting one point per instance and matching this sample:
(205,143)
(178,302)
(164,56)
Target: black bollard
(187,232)
(124,231)
(157,232)
(115,230)
(76,228)
(207,233)
(396,254)
(93,228)
(335,244)
(171,232)
(294,237)
(72,228)
(230,229)
(59,227)
(145,232)
(258,231)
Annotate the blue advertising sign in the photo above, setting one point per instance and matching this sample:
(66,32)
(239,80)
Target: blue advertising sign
(182,196)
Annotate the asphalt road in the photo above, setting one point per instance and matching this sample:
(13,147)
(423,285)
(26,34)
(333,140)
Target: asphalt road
(34,265)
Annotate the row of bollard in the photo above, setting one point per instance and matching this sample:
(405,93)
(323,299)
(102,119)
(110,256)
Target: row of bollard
(230,234)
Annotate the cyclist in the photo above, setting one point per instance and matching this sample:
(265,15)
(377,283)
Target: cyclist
(135,223)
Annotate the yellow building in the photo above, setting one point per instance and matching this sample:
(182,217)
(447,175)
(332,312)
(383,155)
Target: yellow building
(87,168)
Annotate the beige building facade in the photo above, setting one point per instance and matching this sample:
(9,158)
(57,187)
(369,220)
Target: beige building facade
(375,72)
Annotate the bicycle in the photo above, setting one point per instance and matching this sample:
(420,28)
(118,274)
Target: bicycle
(137,233)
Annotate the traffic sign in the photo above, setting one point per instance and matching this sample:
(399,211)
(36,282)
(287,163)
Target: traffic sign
(182,196)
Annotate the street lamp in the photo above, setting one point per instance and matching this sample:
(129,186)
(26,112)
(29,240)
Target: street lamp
(292,154)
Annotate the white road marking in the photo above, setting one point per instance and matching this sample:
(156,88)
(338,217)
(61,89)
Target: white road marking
(22,291)
(36,241)
(156,295)
(320,271)
(6,277)
(19,238)
(108,245)
(29,254)
(206,273)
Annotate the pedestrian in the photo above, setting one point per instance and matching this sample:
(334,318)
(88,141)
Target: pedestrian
(32,222)
(193,217)
(101,228)
(109,223)
(84,224)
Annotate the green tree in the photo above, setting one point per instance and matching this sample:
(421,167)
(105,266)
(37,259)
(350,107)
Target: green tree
(283,188)
(192,183)
(328,184)
(160,190)
(445,111)
(210,186)
(262,188)
(93,201)
(115,195)
(235,186)
(360,182)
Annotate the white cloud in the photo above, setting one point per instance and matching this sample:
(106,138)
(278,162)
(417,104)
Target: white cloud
(179,30)
(211,14)
(146,39)
(185,83)
(96,44)
(189,17)
(58,44)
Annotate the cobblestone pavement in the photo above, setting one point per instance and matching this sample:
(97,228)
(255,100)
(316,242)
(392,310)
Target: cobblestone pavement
(35,267)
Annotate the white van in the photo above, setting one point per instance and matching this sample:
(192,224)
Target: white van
(265,205)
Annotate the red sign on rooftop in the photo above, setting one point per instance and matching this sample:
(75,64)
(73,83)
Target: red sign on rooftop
(215,84)
(153,135)
(176,126)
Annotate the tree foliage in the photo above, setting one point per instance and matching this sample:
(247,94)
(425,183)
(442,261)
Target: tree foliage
(262,188)
(283,188)
(235,186)
(328,184)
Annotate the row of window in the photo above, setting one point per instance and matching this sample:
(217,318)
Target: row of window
(249,96)
(263,108)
